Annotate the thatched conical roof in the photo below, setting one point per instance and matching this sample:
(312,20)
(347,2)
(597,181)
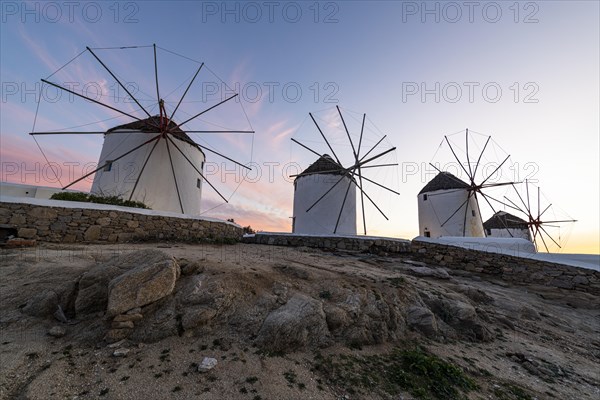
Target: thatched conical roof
(444,181)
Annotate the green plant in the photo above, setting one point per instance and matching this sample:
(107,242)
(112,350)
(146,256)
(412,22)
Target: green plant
(98,199)
(423,375)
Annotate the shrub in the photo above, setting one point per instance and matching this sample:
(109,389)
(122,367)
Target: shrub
(91,198)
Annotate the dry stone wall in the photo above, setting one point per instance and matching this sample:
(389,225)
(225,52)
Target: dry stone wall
(82,225)
(509,268)
(332,242)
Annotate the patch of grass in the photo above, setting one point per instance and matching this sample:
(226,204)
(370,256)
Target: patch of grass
(123,379)
(423,375)
(176,389)
(243,390)
(290,376)
(396,282)
(325,294)
(511,392)
(251,380)
(90,198)
(104,392)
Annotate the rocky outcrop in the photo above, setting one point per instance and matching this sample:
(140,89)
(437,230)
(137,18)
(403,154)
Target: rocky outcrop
(153,279)
(297,324)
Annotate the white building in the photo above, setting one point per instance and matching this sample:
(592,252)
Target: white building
(506,225)
(157,175)
(445,211)
(322,218)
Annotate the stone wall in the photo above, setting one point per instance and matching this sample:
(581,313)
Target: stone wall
(331,242)
(509,268)
(77,225)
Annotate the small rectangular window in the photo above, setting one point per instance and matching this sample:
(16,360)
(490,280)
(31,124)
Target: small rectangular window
(424,197)
(473,212)
(427,234)
(488,232)
(108,166)
(198,183)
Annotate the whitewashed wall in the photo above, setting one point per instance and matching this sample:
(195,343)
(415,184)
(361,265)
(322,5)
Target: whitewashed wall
(156,187)
(322,218)
(516,233)
(440,204)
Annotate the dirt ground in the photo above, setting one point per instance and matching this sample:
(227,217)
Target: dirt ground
(546,342)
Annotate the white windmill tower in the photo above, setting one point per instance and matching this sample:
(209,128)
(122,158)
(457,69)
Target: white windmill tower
(325,193)
(449,206)
(151,158)
(320,177)
(505,225)
(446,208)
(177,164)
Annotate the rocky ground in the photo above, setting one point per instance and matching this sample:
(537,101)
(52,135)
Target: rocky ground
(161,321)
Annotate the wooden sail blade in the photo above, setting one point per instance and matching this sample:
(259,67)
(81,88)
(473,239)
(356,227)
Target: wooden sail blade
(456,157)
(492,174)
(480,155)
(325,138)
(119,82)
(202,112)
(186,90)
(372,148)
(306,147)
(362,128)
(347,133)
(471,177)
(90,99)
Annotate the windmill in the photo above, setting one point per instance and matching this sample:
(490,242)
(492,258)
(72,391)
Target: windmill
(325,193)
(448,205)
(149,158)
(540,224)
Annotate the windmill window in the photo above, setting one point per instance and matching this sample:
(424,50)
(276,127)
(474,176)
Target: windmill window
(425,197)
(198,183)
(202,166)
(108,166)
(488,232)
(427,234)
(473,212)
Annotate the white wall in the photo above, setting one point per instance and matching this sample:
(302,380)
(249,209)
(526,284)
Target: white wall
(516,233)
(440,205)
(321,219)
(21,190)
(156,187)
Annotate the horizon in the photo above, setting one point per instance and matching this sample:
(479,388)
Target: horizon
(526,76)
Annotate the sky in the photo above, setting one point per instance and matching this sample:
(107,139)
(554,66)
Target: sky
(525,73)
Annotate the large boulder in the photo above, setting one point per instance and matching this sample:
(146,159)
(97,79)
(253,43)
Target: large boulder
(298,323)
(42,304)
(422,319)
(152,279)
(93,287)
